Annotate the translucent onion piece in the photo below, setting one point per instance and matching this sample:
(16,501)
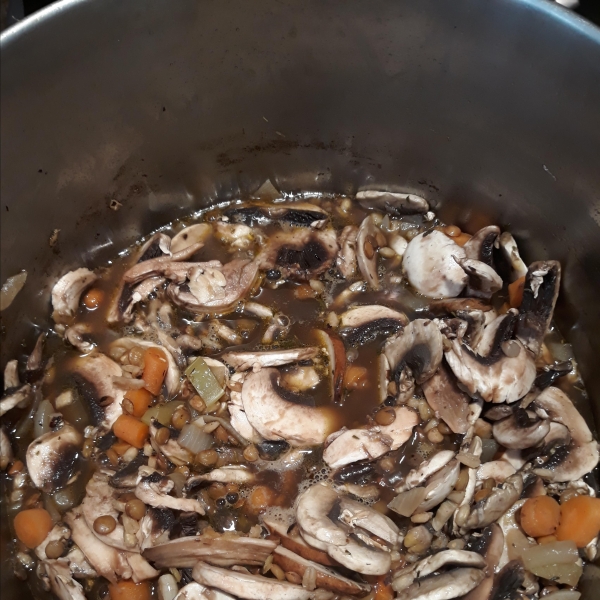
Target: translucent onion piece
(42,418)
(194,439)
(12,286)
(558,561)
(162,413)
(406,503)
(563,595)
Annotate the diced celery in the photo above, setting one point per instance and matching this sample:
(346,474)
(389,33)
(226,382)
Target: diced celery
(162,413)
(205,382)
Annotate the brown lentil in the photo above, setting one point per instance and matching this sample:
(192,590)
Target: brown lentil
(380,239)
(462,481)
(180,417)
(135,509)
(250,453)
(55,549)
(197,404)
(183,470)
(162,435)
(488,484)
(369,247)
(443,428)
(216,490)
(481,495)
(434,436)
(16,467)
(104,525)
(207,458)
(127,406)
(113,457)
(221,434)
(385,416)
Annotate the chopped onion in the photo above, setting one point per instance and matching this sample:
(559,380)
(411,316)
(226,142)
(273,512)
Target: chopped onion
(162,413)
(205,382)
(558,561)
(12,286)
(563,595)
(194,439)
(407,502)
(42,418)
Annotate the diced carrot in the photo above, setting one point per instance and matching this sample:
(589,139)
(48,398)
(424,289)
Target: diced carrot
(120,447)
(155,369)
(128,590)
(131,430)
(462,239)
(540,516)
(141,400)
(579,520)
(93,298)
(261,498)
(32,526)
(383,591)
(515,292)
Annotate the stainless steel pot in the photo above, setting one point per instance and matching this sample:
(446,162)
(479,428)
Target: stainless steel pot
(490,109)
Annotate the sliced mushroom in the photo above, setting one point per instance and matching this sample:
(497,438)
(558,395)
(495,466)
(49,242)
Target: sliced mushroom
(481,245)
(211,289)
(362,324)
(366,252)
(540,292)
(61,580)
(276,414)
(299,254)
(336,351)
(315,509)
(292,540)
(439,485)
(453,584)
(173,375)
(22,396)
(413,354)
(67,292)
(394,203)
(326,578)
(510,251)
(78,335)
(6,452)
(300,214)
(34,361)
(11,375)
(430,264)
(247,586)
(195,591)
(425,470)
(52,459)
(243,361)
(483,279)
(155,527)
(226,474)
(153,489)
(216,549)
(448,401)
(94,374)
(493,507)
(190,235)
(499,369)
(176,453)
(498,470)
(580,456)
(235,235)
(523,429)
(346,258)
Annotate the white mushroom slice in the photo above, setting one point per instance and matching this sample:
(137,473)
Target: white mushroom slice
(449,402)
(483,279)
(236,235)
(216,549)
(453,584)
(53,457)
(6,452)
(94,377)
(300,214)
(11,375)
(141,293)
(176,453)
(582,455)
(414,355)
(439,486)
(61,580)
(425,470)
(21,396)
(394,203)
(78,336)
(227,474)
(193,591)
(299,254)
(249,587)
(243,361)
(508,523)
(326,578)
(362,324)
(239,420)
(212,289)
(153,489)
(481,245)
(494,506)
(67,292)
(540,292)
(366,251)
(346,258)
(498,470)
(430,265)
(193,234)
(521,430)
(300,379)
(173,375)
(368,444)
(358,516)
(277,418)
(511,252)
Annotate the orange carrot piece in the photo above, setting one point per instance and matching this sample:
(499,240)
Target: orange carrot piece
(155,369)
(128,590)
(579,520)
(32,526)
(141,400)
(515,292)
(462,239)
(121,447)
(383,591)
(131,430)
(540,516)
